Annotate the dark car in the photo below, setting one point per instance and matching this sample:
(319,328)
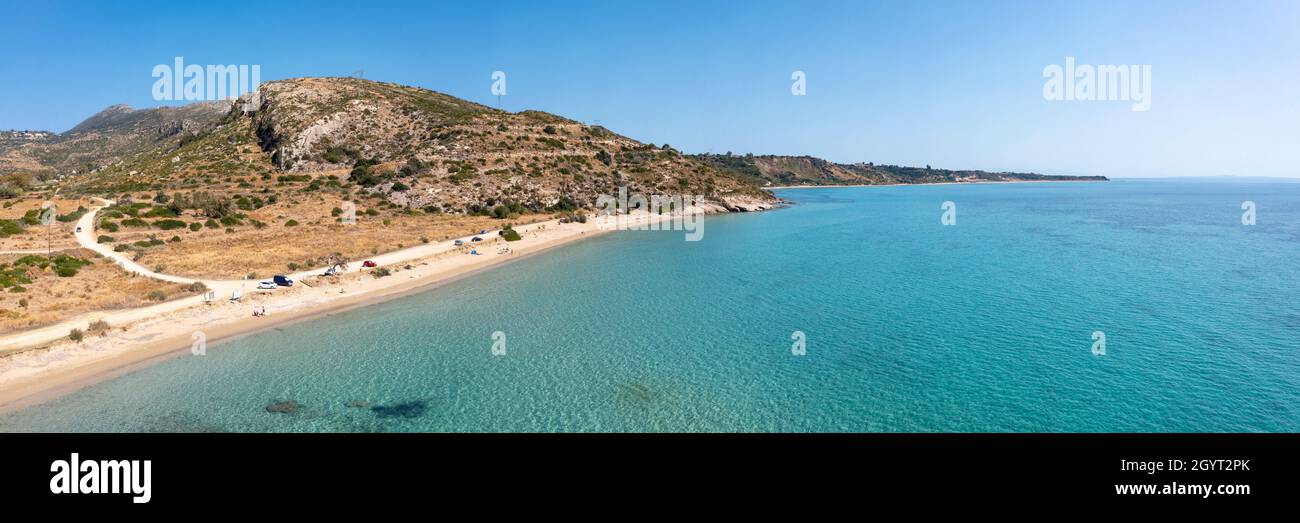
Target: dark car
(476,239)
(282,281)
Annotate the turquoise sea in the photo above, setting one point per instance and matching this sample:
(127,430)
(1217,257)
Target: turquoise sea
(910,325)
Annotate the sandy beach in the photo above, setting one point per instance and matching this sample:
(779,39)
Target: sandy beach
(147,335)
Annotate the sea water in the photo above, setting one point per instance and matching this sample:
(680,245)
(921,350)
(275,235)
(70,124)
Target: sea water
(853,309)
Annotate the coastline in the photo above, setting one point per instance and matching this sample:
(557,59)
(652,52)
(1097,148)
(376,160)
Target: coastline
(30,378)
(783,187)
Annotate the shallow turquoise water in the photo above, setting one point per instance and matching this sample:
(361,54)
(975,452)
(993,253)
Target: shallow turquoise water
(910,325)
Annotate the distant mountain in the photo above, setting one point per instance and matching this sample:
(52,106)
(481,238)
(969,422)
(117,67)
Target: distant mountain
(415,147)
(773,170)
(109,136)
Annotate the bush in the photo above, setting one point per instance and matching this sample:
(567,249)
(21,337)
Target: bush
(510,234)
(168,225)
(105,239)
(76,335)
(381,272)
(9,227)
(197,287)
(196,226)
(291,223)
(98,328)
(156,296)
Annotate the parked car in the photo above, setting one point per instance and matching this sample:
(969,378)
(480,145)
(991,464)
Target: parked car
(369,264)
(282,281)
(476,239)
(78,229)
(484,231)
(460,242)
(329,272)
(266,285)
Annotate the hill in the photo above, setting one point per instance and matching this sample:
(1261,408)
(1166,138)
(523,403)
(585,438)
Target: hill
(414,147)
(772,170)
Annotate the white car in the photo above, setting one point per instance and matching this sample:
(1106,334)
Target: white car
(267,285)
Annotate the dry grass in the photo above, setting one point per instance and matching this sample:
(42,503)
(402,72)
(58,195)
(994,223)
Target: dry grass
(61,234)
(215,253)
(101,286)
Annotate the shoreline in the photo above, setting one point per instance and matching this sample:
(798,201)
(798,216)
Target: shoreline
(170,335)
(785,187)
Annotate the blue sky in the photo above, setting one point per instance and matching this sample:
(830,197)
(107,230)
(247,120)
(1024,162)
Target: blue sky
(951,84)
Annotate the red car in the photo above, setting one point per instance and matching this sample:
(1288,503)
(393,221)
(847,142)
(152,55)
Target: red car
(368,263)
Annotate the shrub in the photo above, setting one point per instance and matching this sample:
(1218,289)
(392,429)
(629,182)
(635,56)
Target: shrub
(98,328)
(105,239)
(156,296)
(196,226)
(169,224)
(76,335)
(381,272)
(510,234)
(9,227)
(291,223)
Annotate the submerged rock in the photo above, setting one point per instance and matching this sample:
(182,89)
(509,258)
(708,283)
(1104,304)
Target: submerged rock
(359,404)
(283,407)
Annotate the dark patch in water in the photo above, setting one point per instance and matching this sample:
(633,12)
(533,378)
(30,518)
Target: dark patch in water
(409,409)
(637,394)
(283,407)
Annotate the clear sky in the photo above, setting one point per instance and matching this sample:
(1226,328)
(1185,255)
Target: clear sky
(951,84)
